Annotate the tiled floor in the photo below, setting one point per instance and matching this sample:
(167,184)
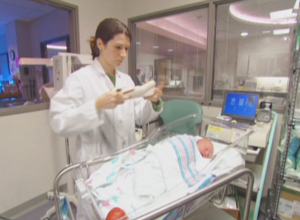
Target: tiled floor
(206,212)
(38,213)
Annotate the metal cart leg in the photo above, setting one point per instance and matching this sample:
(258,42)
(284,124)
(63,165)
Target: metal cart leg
(70,198)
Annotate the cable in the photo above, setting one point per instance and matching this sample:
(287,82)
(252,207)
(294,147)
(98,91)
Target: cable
(1,217)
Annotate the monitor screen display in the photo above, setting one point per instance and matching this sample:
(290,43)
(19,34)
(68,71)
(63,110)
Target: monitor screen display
(240,105)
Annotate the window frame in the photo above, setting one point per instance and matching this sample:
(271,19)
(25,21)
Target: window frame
(212,5)
(43,45)
(74,48)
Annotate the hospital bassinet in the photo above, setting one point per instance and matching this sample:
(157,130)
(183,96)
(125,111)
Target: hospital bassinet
(174,203)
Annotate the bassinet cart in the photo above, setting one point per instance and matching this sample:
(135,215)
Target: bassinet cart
(228,138)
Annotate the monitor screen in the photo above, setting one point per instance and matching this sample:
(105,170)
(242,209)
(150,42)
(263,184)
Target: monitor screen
(240,105)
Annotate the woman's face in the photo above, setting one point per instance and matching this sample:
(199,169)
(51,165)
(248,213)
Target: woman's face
(115,51)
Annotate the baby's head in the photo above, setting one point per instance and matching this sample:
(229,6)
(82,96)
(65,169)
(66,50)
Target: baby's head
(205,147)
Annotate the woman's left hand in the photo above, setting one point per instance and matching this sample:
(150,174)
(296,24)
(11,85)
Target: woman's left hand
(158,93)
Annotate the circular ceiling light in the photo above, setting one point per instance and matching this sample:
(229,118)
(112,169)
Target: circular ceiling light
(248,12)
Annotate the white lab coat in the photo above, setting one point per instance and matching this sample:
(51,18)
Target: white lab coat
(73,112)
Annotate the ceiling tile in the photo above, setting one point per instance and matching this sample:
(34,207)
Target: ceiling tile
(26,10)
(23,3)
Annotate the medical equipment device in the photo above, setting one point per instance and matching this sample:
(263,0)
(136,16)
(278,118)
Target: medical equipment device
(34,73)
(241,106)
(179,200)
(66,63)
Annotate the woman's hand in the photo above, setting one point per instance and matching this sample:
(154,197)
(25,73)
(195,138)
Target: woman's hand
(158,93)
(110,100)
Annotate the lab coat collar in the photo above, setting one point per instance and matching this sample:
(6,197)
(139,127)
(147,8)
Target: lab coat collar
(100,70)
(98,66)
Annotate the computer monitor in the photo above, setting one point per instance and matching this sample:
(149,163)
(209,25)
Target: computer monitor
(240,106)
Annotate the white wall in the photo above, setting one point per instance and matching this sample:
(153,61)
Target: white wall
(141,7)
(31,155)
(267,56)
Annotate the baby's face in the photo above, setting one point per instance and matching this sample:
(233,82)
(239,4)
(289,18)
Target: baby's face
(206,148)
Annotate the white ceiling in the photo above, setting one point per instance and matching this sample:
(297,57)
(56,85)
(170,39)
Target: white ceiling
(25,10)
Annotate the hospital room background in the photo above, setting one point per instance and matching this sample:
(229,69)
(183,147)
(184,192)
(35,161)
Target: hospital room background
(213,52)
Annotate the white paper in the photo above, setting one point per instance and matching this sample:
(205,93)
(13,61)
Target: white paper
(285,208)
(296,208)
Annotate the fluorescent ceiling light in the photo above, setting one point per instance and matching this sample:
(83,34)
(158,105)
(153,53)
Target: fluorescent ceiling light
(244,34)
(170,50)
(56,47)
(138,42)
(281,31)
(288,13)
(296,6)
(236,12)
(155,47)
(266,32)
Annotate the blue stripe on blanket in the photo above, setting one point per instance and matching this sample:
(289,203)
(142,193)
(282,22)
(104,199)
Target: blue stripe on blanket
(180,164)
(185,148)
(207,181)
(175,214)
(194,148)
(189,154)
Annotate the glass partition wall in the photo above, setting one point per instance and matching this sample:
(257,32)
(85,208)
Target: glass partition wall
(252,48)
(203,50)
(167,51)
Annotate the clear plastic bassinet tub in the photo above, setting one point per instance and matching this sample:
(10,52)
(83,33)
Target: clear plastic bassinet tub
(164,176)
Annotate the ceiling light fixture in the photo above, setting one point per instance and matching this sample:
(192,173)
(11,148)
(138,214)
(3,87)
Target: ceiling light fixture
(241,15)
(56,47)
(155,47)
(138,43)
(288,13)
(244,34)
(281,31)
(296,6)
(170,50)
(266,32)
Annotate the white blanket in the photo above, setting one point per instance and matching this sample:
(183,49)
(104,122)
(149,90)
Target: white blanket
(140,181)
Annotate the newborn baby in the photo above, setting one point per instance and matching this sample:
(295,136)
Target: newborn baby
(205,147)
(189,142)
(130,183)
(172,162)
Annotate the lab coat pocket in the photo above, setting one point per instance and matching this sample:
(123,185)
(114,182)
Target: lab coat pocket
(129,108)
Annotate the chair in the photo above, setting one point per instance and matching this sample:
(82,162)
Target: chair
(179,108)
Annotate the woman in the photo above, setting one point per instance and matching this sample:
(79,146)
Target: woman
(90,105)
